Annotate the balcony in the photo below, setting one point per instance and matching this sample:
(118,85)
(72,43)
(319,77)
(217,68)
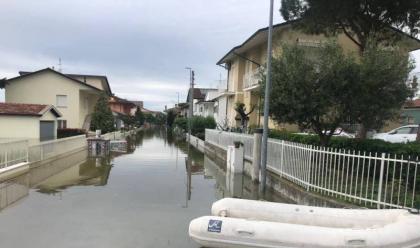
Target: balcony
(251,80)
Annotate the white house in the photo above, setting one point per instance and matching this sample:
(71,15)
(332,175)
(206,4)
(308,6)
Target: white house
(28,121)
(199,101)
(74,95)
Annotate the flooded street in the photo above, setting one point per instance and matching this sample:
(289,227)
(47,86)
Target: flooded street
(145,198)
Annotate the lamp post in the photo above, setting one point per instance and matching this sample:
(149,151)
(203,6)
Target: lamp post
(267,99)
(190,100)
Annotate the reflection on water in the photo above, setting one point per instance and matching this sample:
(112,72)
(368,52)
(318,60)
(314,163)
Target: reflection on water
(144,198)
(94,171)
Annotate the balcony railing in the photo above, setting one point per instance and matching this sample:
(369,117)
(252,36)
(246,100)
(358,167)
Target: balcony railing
(251,79)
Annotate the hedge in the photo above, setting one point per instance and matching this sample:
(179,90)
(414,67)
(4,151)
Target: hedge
(199,125)
(69,132)
(368,145)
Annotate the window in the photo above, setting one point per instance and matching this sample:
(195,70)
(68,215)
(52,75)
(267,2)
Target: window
(414,130)
(61,101)
(403,130)
(61,124)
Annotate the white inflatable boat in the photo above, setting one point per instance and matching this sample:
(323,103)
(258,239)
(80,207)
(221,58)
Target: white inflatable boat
(246,223)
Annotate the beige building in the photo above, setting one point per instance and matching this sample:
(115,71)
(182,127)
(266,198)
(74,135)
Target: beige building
(244,63)
(73,95)
(28,121)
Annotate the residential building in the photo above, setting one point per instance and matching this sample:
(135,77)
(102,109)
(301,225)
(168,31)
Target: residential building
(139,104)
(121,108)
(205,107)
(245,62)
(74,95)
(199,97)
(34,122)
(221,105)
(411,113)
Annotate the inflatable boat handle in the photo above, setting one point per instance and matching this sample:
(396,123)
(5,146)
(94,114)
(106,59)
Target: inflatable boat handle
(223,213)
(414,211)
(241,231)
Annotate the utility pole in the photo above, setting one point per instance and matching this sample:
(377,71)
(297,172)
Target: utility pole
(178,98)
(191,101)
(267,99)
(60,69)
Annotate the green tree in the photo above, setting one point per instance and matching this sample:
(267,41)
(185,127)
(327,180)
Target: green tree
(128,120)
(139,117)
(312,93)
(243,114)
(170,118)
(382,88)
(360,20)
(323,91)
(102,117)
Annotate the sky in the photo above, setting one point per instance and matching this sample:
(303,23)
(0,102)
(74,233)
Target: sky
(142,46)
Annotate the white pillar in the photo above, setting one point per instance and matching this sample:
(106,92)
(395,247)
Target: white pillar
(256,155)
(235,158)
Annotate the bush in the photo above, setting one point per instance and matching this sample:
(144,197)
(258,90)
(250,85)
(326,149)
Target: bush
(198,125)
(69,132)
(368,145)
(181,123)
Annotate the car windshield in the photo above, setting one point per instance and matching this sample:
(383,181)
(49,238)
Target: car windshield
(403,130)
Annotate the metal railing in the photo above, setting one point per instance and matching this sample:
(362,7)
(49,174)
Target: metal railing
(52,148)
(370,179)
(13,152)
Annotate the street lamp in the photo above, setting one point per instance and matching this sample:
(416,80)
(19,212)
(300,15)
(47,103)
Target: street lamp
(190,100)
(267,99)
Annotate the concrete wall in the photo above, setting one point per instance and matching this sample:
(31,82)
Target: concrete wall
(43,88)
(197,143)
(26,127)
(93,81)
(220,115)
(87,105)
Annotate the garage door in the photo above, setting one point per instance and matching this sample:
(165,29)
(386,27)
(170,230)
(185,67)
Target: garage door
(47,130)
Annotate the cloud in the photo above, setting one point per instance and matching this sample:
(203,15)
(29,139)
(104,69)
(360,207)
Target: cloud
(142,46)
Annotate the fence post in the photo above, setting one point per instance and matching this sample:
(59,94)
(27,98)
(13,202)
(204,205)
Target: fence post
(5,158)
(256,155)
(309,168)
(381,176)
(282,158)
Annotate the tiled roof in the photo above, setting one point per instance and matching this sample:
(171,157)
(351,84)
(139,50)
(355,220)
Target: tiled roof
(413,104)
(21,109)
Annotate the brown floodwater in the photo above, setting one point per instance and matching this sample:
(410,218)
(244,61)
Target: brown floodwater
(143,198)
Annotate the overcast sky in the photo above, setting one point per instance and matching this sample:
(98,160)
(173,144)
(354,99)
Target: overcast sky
(142,46)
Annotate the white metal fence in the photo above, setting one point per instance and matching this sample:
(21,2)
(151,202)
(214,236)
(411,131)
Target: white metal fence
(13,152)
(369,179)
(49,149)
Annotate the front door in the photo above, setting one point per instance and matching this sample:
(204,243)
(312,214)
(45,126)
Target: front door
(47,130)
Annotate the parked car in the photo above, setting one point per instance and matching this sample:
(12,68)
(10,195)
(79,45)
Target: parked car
(339,132)
(402,134)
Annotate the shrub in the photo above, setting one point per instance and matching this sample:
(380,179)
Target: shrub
(102,117)
(181,123)
(368,145)
(69,132)
(198,125)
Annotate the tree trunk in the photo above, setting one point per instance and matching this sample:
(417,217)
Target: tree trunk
(324,139)
(362,132)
